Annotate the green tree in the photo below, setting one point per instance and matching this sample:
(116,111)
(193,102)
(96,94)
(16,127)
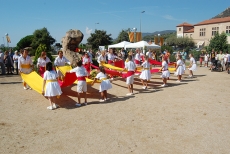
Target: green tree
(123,36)
(39,50)
(218,42)
(25,42)
(181,42)
(42,36)
(99,38)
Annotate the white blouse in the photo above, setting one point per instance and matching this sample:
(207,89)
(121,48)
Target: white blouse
(42,62)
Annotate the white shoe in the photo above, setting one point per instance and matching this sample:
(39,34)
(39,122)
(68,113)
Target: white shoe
(55,106)
(144,87)
(101,100)
(129,94)
(49,108)
(106,99)
(30,88)
(163,85)
(78,105)
(178,81)
(25,88)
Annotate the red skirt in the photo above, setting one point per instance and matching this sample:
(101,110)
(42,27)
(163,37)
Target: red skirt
(87,67)
(42,71)
(137,62)
(110,62)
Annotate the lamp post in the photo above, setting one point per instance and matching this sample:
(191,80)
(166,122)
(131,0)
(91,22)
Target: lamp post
(3,41)
(140,19)
(96,24)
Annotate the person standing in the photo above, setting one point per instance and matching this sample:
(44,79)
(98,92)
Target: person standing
(165,72)
(41,64)
(184,55)
(2,64)
(220,58)
(60,60)
(179,68)
(149,54)
(131,68)
(206,58)
(9,62)
(137,58)
(81,74)
(51,87)
(213,59)
(145,74)
(86,62)
(201,58)
(192,66)
(15,58)
(102,58)
(25,65)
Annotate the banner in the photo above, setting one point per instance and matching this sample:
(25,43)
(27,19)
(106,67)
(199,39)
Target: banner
(138,36)
(161,41)
(156,40)
(101,48)
(8,39)
(131,36)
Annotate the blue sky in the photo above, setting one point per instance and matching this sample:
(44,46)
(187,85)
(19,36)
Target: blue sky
(20,18)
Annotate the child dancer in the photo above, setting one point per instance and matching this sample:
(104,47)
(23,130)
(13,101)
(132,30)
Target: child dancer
(51,86)
(137,58)
(165,73)
(192,66)
(102,58)
(86,63)
(145,74)
(179,68)
(206,57)
(81,74)
(131,68)
(105,83)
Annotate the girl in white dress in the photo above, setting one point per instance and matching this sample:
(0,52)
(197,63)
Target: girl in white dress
(179,68)
(51,88)
(105,83)
(192,66)
(165,72)
(145,74)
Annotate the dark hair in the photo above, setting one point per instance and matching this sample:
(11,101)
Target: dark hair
(79,63)
(49,66)
(60,51)
(102,69)
(130,57)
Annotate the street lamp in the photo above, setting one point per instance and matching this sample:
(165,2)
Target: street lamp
(140,19)
(96,24)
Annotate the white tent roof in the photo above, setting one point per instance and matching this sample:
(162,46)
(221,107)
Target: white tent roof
(142,44)
(119,45)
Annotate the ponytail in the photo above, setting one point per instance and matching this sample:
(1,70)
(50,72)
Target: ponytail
(102,69)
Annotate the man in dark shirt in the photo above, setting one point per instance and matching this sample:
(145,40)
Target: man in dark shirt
(213,58)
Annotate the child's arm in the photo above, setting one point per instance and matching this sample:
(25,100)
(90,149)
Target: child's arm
(95,79)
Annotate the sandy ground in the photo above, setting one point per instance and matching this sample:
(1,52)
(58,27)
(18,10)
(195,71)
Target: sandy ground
(188,117)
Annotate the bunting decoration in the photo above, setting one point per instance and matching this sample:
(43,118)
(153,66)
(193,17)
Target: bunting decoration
(131,36)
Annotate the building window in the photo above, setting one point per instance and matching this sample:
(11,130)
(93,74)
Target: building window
(179,29)
(215,30)
(227,29)
(202,31)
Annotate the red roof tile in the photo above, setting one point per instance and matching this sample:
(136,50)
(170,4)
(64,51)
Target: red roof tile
(214,21)
(189,31)
(185,24)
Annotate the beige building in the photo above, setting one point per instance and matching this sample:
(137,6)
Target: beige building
(203,31)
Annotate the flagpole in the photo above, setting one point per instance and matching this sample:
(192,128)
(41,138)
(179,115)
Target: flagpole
(3,41)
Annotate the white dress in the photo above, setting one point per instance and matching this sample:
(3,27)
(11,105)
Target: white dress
(180,69)
(165,71)
(145,74)
(192,60)
(52,88)
(105,84)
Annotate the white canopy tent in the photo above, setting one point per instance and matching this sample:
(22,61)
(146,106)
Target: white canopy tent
(143,44)
(119,45)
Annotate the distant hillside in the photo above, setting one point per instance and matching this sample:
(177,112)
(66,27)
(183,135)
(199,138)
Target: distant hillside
(158,32)
(225,13)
